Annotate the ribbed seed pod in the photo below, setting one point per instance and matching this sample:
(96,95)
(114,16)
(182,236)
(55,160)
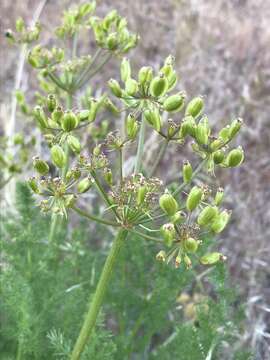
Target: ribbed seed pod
(168,204)
(153,118)
(145,75)
(41,117)
(219,196)
(224,133)
(94,105)
(187,171)
(235,157)
(235,127)
(174,103)
(108,176)
(178,217)
(74,143)
(212,258)
(70,121)
(202,131)
(159,85)
(191,245)
(33,185)
(51,102)
(131,87)
(194,198)
(207,215)
(41,166)
(220,221)
(125,70)
(115,88)
(58,156)
(142,191)
(168,233)
(57,115)
(132,127)
(218,156)
(217,144)
(84,185)
(83,115)
(195,107)
(112,41)
(188,127)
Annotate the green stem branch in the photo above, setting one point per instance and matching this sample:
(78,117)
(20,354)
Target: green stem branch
(95,305)
(138,164)
(94,218)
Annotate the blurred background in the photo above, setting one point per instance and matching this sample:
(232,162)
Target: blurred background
(222,52)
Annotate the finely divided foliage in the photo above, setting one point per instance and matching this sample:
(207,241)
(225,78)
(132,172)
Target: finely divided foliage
(136,204)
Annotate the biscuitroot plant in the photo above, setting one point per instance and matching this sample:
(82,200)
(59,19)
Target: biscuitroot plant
(138,202)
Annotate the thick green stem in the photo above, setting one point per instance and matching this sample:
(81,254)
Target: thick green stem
(95,305)
(139,156)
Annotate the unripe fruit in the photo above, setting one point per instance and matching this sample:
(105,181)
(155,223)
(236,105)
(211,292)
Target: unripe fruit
(220,221)
(178,217)
(51,102)
(188,127)
(94,105)
(115,87)
(168,233)
(207,215)
(153,118)
(224,133)
(159,86)
(235,157)
(108,176)
(218,156)
(195,107)
(58,156)
(161,256)
(187,261)
(219,196)
(132,127)
(41,117)
(142,191)
(168,204)
(202,131)
(194,198)
(41,166)
(125,70)
(174,102)
(112,41)
(145,75)
(212,258)
(74,143)
(83,115)
(84,185)
(235,127)
(187,171)
(70,121)
(191,245)
(33,185)
(57,115)
(131,87)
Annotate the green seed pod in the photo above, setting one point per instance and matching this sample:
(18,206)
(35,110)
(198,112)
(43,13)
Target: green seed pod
(41,166)
(168,204)
(188,127)
(145,75)
(20,25)
(18,139)
(217,144)
(107,173)
(220,221)
(94,105)
(187,261)
(174,103)
(84,185)
(83,115)
(41,117)
(202,131)
(57,115)
(58,156)
(74,144)
(161,256)
(153,118)
(212,258)
(159,86)
(132,127)
(235,127)
(224,133)
(235,157)
(97,150)
(33,185)
(70,121)
(131,87)
(142,191)
(187,171)
(194,198)
(112,41)
(191,245)
(178,260)
(195,107)
(168,233)
(51,102)
(207,215)
(115,88)
(178,217)
(219,196)
(218,156)
(125,70)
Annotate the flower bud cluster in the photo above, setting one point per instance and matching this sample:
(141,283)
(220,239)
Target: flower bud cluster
(23,34)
